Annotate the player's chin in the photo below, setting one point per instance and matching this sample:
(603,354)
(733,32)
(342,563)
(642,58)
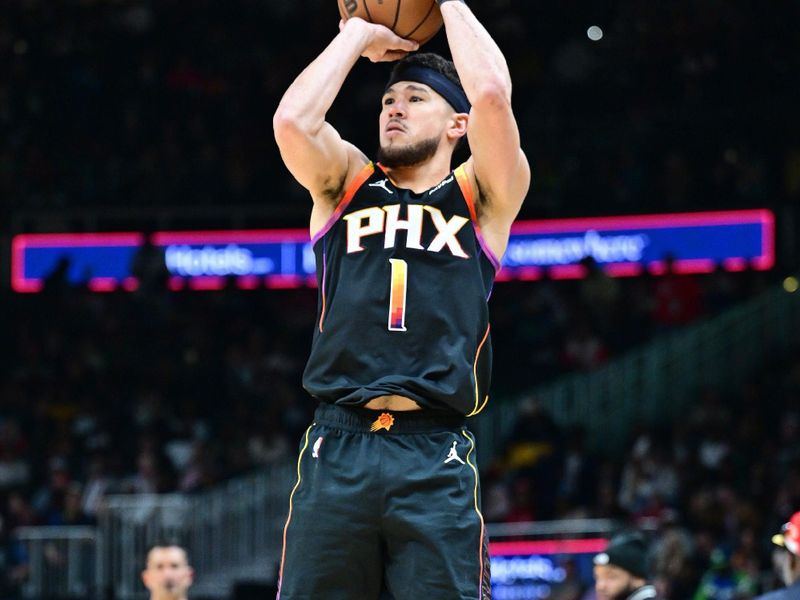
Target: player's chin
(394,138)
(392,144)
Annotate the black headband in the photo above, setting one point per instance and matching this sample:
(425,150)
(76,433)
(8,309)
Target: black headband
(442,85)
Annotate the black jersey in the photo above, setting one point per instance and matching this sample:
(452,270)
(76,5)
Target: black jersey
(404,280)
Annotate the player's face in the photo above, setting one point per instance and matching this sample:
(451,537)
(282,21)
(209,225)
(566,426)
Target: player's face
(412,123)
(168,574)
(611,582)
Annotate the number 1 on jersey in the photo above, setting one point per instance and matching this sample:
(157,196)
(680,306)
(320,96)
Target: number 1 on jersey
(397,295)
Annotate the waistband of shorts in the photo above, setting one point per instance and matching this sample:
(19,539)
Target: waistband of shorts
(353,418)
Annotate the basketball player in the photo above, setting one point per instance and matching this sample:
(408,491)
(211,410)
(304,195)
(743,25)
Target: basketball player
(167,574)
(386,503)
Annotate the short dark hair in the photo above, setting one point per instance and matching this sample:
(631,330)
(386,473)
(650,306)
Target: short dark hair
(166,543)
(431,61)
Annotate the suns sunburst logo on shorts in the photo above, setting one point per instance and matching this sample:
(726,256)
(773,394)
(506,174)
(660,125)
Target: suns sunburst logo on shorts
(385,421)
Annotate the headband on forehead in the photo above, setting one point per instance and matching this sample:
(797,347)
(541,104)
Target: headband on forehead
(442,85)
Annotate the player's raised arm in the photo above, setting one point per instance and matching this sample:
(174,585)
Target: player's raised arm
(499,164)
(312,149)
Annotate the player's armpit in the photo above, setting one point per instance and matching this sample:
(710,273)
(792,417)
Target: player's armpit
(316,159)
(498,162)
(330,192)
(497,204)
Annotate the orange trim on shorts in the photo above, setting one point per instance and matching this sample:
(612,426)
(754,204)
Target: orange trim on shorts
(289,517)
(477,511)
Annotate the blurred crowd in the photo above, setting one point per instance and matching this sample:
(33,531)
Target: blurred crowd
(711,488)
(551,327)
(140,393)
(144,103)
(157,391)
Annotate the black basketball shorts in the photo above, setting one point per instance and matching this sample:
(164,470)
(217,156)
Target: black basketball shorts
(386,506)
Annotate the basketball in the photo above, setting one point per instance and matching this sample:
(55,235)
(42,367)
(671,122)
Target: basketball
(416,20)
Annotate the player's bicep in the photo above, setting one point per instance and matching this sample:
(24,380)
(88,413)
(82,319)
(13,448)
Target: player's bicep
(498,162)
(318,162)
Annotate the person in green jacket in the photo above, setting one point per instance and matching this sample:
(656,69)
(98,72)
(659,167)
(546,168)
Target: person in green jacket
(723,582)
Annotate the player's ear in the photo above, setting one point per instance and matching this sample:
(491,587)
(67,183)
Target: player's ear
(458,126)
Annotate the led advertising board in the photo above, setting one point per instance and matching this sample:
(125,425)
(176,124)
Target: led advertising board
(623,246)
(533,569)
(628,245)
(197,259)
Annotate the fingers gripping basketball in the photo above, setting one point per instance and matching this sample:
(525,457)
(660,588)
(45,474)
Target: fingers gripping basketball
(416,20)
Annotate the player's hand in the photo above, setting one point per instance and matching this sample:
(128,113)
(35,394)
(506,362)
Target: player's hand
(382,45)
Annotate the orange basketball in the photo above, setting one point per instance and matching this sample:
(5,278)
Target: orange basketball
(416,20)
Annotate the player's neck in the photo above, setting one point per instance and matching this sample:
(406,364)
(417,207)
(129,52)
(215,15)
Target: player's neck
(422,176)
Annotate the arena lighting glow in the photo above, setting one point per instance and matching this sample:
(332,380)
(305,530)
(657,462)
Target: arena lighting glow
(624,246)
(524,569)
(594,33)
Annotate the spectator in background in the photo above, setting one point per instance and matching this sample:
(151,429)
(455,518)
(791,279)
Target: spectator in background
(674,570)
(57,281)
(14,470)
(571,587)
(620,572)
(149,477)
(579,472)
(678,298)
(649,480)
(18,513)
(523,504)
(67,509)
(724,582)
(149,266)
(98,484)
(167,574)
(533,461)
(583,349)
(599,293)
(787,560)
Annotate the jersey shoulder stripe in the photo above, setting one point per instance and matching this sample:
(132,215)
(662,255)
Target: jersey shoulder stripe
(469,198)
